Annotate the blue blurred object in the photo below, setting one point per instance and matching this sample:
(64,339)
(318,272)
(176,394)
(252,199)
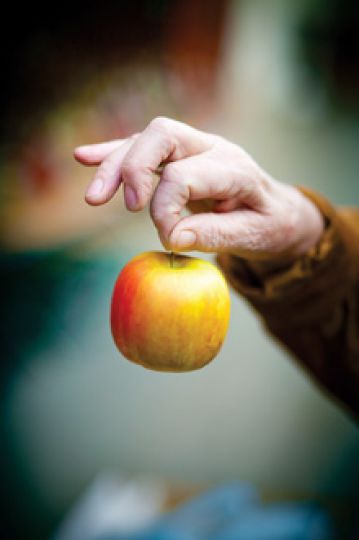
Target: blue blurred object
(206,515)
(287,521)
(233,512)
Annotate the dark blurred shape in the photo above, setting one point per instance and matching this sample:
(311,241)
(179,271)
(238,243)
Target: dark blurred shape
(52,45)
(329,45)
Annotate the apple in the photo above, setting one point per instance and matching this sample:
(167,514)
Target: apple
(170,312)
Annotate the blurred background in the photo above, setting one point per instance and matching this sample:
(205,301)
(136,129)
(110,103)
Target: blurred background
(281,79)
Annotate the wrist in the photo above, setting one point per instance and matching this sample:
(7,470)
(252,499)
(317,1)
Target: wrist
(310,225)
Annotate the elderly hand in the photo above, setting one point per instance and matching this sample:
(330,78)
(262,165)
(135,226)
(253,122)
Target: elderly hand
(242,210)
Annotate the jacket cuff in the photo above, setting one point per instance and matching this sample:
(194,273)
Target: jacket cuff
(304,293)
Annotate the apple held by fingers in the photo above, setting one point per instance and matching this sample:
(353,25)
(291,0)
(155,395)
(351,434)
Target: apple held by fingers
(170,312)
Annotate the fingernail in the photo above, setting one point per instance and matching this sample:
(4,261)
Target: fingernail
(95,189)
(131,197)
(185,239)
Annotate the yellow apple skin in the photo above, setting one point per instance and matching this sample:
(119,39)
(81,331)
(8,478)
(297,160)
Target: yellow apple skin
(170,312)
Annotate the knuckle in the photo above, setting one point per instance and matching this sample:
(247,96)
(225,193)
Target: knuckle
(255,236)
(210,237)
(138,177)
(129,170)
(160,123)
(219,140)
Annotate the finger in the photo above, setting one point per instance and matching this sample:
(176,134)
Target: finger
(198,178)
(108,176)
(240,231)
(163,140)
(94,154)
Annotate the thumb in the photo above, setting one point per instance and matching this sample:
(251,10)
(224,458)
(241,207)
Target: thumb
(214,232)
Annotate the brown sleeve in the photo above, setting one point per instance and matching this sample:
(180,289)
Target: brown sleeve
(312,307)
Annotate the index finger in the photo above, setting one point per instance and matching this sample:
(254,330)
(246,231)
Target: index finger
(163,140)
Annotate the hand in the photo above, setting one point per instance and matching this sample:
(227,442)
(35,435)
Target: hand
(242,210)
